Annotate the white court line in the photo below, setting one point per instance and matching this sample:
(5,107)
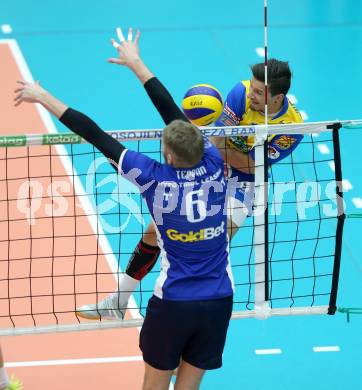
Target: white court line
(346,184)
(334,348)
(357,202)
(70,170)
(260,51)
(6,29)
(323,148)
(64,362)
(273,351)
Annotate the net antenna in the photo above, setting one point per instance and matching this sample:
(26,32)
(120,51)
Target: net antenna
(261,306)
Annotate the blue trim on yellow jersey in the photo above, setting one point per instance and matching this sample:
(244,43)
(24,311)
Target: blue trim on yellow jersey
(243,101)
(234,107)
(283,110)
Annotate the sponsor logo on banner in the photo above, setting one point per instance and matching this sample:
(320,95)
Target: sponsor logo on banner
(285,142)
(16,140)
(273,153)
(134,135)
(56,139)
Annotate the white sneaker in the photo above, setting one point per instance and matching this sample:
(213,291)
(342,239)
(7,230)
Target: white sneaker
(15,384)
(109,308)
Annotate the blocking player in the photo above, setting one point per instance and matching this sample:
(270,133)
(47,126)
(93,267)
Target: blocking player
(192,302)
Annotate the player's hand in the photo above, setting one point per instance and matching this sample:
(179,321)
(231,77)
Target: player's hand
(128,51)
(28,92)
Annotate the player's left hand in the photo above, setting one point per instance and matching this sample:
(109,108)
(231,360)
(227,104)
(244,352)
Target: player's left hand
(127,48)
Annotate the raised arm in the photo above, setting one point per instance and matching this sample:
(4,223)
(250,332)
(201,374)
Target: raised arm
(74,120)
(129,56)
(163,101)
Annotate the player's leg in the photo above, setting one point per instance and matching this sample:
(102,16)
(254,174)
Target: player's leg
(167,327)
(144,256)
(142,260)
(5,383)
(204,349)
(4,379)
(188,377)
(155,379)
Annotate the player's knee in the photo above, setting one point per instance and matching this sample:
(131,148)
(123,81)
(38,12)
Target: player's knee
(155,379)
(188,377)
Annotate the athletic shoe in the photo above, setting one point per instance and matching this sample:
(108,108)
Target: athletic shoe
(15,384)
(109,308)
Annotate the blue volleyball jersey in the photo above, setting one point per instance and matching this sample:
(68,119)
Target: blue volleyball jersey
(237,112)
(188,209)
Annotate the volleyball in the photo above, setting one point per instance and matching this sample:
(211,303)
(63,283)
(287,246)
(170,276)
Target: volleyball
(202,104)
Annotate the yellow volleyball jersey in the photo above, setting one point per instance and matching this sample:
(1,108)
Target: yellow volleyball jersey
(237,111)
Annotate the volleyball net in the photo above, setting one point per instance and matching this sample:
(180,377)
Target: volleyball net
(69,223)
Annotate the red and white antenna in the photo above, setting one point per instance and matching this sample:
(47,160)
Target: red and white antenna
(266,59)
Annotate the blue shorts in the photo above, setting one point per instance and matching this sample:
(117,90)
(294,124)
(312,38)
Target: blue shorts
(194,331)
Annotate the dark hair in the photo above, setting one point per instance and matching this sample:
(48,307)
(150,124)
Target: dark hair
(279,75)
(185,140)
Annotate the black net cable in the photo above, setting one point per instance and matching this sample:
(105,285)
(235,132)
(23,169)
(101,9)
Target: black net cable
(341,218)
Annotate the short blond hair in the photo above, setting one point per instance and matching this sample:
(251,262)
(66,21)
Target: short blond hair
(185,140)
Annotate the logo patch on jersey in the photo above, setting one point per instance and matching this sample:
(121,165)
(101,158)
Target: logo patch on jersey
(191,236)
(285,142)
(244,144)
(228,113)
(226,121)
(273,153)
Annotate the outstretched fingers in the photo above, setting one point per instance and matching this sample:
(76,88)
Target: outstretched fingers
(122,39)
(130,35)
(120,34)
(127,48)
(19,92)
(18,99)
(115,44)
(137,37)
(115,61)
(27,92)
